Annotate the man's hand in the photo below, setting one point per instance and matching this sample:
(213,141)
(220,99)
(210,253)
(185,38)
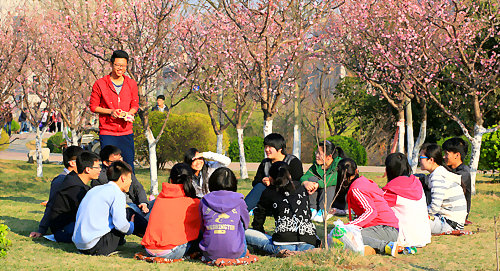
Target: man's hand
(266,181)
(115,113)
(132,219)
(144,208)
(35,234)
(311,187)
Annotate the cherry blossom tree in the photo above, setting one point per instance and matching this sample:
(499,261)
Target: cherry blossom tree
(14,53)
(371,39)
(41,76)
(460,64)
(150,32)
(273,33)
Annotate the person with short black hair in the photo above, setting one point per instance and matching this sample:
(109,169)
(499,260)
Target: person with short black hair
(455,150)
(314,181)
(101,220)
(224,218)
(203,165)
(69,162)
(160,104)
(175,221)
(115,98)
(136,196)
(405,196)
(447,208)
(275,149)
(73,189)
(289,204)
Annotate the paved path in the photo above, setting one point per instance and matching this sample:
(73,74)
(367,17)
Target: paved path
(18,151)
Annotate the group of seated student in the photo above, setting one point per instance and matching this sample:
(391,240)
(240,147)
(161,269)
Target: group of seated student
(199,208)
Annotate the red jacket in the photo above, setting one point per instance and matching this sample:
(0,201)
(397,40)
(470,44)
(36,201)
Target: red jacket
(104,95)
(366,199)
(174,220)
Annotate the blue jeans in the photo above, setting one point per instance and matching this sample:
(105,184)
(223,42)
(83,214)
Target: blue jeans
(65,234)
(175,253)
(265,242)
(253,196)
(124,142)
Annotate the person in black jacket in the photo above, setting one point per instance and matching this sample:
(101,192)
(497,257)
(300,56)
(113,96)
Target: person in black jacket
(68,198)
(275,149)
(455,149)
(136,196)
(290,207)
(69,161)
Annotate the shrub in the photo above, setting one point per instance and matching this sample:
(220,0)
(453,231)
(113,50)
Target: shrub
(490,152)
(54,142)
(4,140)
(4,242)
(192,130)
(351,147)
(254,149)
(15,126)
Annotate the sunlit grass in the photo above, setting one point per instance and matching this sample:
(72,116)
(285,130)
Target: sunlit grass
(21,194)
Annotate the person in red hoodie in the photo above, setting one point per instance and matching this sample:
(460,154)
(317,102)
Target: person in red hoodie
(378,222)
(115,98)
(175,221)
(405,196)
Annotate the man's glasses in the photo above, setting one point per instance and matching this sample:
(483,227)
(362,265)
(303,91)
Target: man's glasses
(423,157)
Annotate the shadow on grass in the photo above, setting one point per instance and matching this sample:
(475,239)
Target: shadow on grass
(66,247)
(21,199)
(19,226)
(422,267)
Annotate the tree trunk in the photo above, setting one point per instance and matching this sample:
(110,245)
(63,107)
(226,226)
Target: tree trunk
(296,127)
(476,142)
(268,126)
(69,142)
(416,148)
(409,129)
(38,151)
(153,162)
(243,163)
(220,148)
(401,127)
(74,137)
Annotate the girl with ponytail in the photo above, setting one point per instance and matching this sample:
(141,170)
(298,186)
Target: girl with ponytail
(174,223)
(289,204)
(377,220)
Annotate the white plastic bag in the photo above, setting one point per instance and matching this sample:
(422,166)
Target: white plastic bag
(348,235)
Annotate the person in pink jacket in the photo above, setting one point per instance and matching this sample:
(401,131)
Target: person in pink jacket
(405,196)
(378,222)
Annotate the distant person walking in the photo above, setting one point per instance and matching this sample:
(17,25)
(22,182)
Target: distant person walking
(115,98)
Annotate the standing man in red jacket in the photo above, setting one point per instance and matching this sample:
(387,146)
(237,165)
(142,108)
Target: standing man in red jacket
(115,98)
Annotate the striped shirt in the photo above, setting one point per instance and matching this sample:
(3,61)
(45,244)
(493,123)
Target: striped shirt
(447,196)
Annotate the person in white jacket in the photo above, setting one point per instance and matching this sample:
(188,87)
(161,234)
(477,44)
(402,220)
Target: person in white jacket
(448,207)
(203,165)
(405,196)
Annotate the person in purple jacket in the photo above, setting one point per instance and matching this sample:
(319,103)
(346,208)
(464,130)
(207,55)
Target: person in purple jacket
(224,218)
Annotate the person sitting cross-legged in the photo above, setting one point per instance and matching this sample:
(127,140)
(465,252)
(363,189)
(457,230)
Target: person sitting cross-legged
(68,198)
(101,221)
(135,196)
(69,161)
(317,183)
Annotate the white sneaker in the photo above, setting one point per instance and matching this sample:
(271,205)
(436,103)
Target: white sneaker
(314,212)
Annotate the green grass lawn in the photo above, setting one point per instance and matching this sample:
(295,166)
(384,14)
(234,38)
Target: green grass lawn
(21,194)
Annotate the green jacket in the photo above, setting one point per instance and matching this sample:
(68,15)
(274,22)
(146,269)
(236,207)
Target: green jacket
(316,170)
